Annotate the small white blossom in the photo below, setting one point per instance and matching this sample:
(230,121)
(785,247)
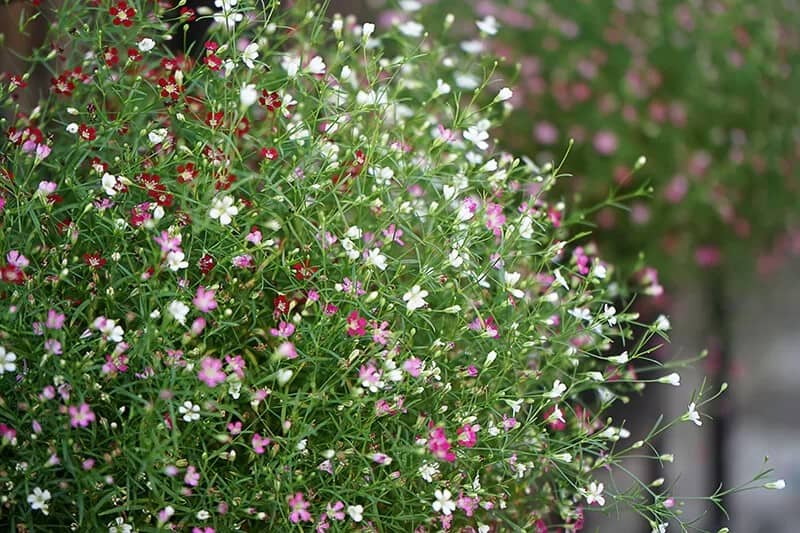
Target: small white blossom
(477,137)
(7,359)
(428,470)
(72,127)
(594,493)
(248,95)
(775,485)
(178,310)
(693,415)
(355,512)
(176,260)
(673,379)
(488,25)
(504,94)
(109,182)
(223,209)
(609,313)
(444,502)
(415,298)
(557,390)
(250,54)
(662,323)
(158,136)
(146,44)
(376,258)
(38,500)
(660,528)
(190,411)
(620,359)
(367,30)
(119,526)
(411,29)
(316,66)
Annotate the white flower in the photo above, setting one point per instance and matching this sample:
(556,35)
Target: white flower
(410,5)
(367,30)
(190,411)
(455,258)
(556,416)
(428,470)
(175,260)
(620,359)
(477,137)
(660,528)
(376,258)
(109,182)
(581,313)
(560,279)
(662,323)
(488,25)
(673,379)
(283,376)
(38,500)
(444,503)
(108,328)
(250,54)
(594,493)
(72,127)
(119,526)
(511,279)
(466,81)
(693,415)
(558,389)
(316,66)
(472,47)
(291,65)
(356,512)
(775,485)
(7,361)
(609,313)
(415,298)
(223,209)
(178,310)
(441,88)
(248,95)
(504,94)
(146,44)
(226,17)
(411,28)
(157,136)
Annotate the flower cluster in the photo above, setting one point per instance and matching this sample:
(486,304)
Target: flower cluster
(705,90)
(291,283)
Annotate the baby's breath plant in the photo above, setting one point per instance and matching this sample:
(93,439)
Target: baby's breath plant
(705,89)
(286,282)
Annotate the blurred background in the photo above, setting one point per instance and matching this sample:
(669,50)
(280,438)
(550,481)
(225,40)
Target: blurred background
(709,92)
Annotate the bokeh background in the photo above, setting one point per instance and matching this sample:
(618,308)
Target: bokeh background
(708,91)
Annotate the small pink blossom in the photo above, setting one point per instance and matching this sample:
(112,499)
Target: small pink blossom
(260,443)
(204,300)
(211,371)
(298,508)
(284,329)
(81,416)
(192,476)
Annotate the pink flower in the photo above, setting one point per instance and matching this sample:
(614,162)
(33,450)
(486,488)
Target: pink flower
(236,365)
(204,300)
(168,243)
(605,142)
(260,443)
(467,435)
(495,218)
(298,509)
(335,510)
(81,416)
(55,320)
(287,350)
(192,476)
(356,325)
(285,330)
(211,371)
(439,446)
(14,258)
(413,366)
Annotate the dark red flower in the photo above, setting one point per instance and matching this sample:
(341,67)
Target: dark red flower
(111,56)
(206,264)
(280,305)
(12,274)
(87,133)
(62,85)
(169,88)
(186,173)
(94,260)
(271,101)
(123,14)
(215,119)
(270,154)
(224,183)
(303,270)
(134,54)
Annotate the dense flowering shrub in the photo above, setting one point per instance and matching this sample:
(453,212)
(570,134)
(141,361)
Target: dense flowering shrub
(287,282)
(705,89)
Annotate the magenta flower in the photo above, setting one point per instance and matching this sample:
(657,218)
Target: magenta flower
(55,320)
(168,243)
(298,508)
(260,443)
(81,416)
(192,476)
(284,329)
(287,350)
(413,366)
(211,371)
(204,300)
(356,325)
(439,446)
(467,435)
